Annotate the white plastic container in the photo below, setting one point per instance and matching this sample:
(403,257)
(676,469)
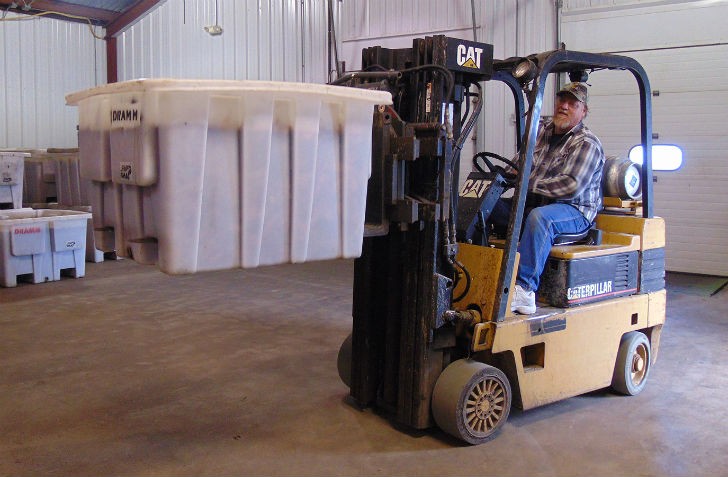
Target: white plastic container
(225,174)
(34,188)
(93,253)
(11,178)
(40,178)
(53,181)
(52,175)
(102,198)
(41,243)
(68,179)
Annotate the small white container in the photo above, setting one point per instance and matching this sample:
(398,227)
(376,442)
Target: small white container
(94,254)
(225,174)
(53,176)
(68,179)
(102,198)
(34,188)
(42,243)
(40,178)
(11,178)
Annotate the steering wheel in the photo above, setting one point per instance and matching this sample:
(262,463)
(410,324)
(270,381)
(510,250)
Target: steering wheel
(508,176)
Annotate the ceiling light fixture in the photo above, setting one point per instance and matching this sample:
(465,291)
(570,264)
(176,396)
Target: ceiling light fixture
(216,29)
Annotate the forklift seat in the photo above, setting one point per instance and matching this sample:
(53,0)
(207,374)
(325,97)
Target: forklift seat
(590,236)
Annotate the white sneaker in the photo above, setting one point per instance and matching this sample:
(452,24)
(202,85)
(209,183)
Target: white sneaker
(524,302)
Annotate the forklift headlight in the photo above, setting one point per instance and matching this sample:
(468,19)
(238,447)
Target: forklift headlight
(524,71)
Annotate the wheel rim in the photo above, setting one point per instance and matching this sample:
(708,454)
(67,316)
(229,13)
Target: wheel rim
(485,406)
(640,364)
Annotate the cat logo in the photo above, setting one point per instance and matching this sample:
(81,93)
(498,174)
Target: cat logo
(469,56)
(474,188)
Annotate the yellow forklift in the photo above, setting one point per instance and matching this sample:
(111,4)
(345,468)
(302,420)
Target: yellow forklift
(434,341)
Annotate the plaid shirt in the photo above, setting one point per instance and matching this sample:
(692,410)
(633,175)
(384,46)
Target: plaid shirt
(571,171)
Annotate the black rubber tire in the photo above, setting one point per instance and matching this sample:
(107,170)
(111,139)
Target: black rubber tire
(633,364)
(471,401)
(343,362)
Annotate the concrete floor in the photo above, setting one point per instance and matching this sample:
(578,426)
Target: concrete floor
(128,371)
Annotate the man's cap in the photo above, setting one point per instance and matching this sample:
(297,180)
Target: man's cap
(577,90)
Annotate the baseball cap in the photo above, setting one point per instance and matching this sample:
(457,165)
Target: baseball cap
(578,90)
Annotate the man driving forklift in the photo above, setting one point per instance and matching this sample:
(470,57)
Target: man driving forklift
(564,190)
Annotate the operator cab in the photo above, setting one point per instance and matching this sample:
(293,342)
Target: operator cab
(608,259)
(582,267)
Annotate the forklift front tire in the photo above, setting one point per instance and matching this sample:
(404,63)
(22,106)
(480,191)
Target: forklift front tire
(633,364)
(343,362)
(471,401)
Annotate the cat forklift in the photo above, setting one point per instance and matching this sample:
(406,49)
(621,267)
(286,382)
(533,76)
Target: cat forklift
(434,341)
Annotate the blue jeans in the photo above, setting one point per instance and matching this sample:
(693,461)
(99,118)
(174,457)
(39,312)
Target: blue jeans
(539,229)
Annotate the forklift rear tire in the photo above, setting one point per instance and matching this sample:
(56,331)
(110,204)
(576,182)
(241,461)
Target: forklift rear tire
(471,401)
(633,364)
(343,362)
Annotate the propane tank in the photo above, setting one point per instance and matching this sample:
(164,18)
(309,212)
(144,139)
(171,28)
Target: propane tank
(621,178)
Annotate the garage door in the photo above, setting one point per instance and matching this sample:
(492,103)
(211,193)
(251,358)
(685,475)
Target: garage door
(689,110)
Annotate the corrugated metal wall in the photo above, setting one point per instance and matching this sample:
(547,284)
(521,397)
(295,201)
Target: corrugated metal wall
(514,27)
(605,5)
(279,40)
(44,59)
(364,21)
(262,39)
(41,60)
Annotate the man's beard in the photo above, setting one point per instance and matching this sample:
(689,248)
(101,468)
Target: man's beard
(562,122)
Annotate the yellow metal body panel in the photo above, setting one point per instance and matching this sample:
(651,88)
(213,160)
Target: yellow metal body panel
(625,207)
(651,231)
(483,334)
(576,348)
(559,353)
(618,203)
(483,264)
(658,308)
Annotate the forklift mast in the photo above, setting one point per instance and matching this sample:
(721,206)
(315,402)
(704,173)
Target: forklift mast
(404,278)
